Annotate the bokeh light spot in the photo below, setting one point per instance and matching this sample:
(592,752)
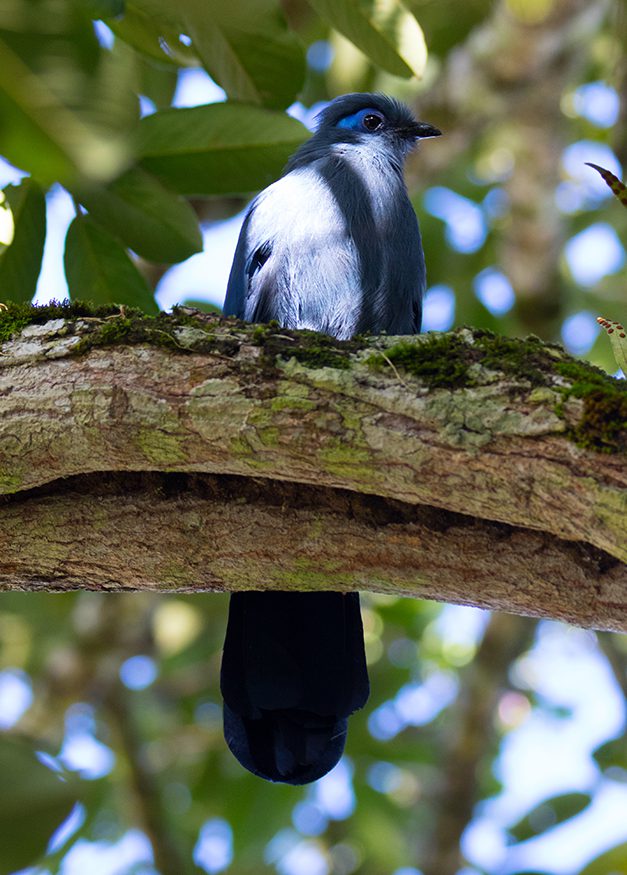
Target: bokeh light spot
(494,290)
(334,792)
(465,224)
(309,819)
(320,56)
(16,696)
(593,253)
(598,102)
(579,332)
(138,672)
(214,849)
(438,309)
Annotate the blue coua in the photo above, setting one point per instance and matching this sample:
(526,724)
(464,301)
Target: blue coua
(332,246)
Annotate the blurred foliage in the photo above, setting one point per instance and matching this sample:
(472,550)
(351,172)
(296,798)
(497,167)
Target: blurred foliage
(20,260)
(504,81)
(139,743)
(498,196)
(36,804)
(548,814)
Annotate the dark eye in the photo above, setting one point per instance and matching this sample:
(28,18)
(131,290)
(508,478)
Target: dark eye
(372,122)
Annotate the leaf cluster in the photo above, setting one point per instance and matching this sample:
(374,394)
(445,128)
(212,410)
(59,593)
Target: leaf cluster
(70,115)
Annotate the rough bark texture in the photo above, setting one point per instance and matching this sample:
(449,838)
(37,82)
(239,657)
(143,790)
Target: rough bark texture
(357,467)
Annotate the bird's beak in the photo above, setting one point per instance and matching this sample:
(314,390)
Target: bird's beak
(421,130)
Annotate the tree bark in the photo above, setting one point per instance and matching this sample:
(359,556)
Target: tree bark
(241,456)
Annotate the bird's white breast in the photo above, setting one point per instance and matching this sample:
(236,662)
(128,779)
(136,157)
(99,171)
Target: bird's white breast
(301,203)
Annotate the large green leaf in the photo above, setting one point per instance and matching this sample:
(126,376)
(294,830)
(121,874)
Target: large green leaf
(52,91)
(113,107)
(37,141)
(245,45)
(33,803)
(384,30)
(157,81)
(20,262)
(548,814)
(153,221)
(99,269)
(224,148)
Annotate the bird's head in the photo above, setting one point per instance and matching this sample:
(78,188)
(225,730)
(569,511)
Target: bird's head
(372,120)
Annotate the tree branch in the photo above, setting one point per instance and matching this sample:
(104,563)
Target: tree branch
(446,467)
(470,734)
(188,534)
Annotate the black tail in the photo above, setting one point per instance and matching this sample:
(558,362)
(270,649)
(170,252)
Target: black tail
(293,669)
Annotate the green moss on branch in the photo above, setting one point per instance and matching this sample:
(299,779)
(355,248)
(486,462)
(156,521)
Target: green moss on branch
(310,348)
(450,361)
(460,359)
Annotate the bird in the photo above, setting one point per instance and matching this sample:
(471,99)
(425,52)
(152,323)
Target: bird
(332,246)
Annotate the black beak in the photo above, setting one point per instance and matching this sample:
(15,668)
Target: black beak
(421,130)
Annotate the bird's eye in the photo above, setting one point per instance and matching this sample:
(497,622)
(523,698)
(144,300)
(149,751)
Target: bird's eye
(372,122)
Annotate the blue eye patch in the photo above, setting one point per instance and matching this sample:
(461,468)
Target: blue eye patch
(355,122)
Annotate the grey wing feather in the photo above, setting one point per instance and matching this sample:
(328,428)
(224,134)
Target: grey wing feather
(254,291)
(237,301)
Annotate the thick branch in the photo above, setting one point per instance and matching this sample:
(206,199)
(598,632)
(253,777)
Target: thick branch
(458,435)
(176,533)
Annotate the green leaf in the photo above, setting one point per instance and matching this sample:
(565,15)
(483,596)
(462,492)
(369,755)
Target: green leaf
(548,814)
(618,338)
(104,8)
(156,38)
(224,148)
(385,31)
(34,140)
(612,755)
(157,82)
(50,65)
(114,104)
(245,45)
(99,269)
(153,221)
(33,803)
(612,862)
(20,262)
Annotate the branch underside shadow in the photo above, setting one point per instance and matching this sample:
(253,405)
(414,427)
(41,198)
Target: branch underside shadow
(190,533)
